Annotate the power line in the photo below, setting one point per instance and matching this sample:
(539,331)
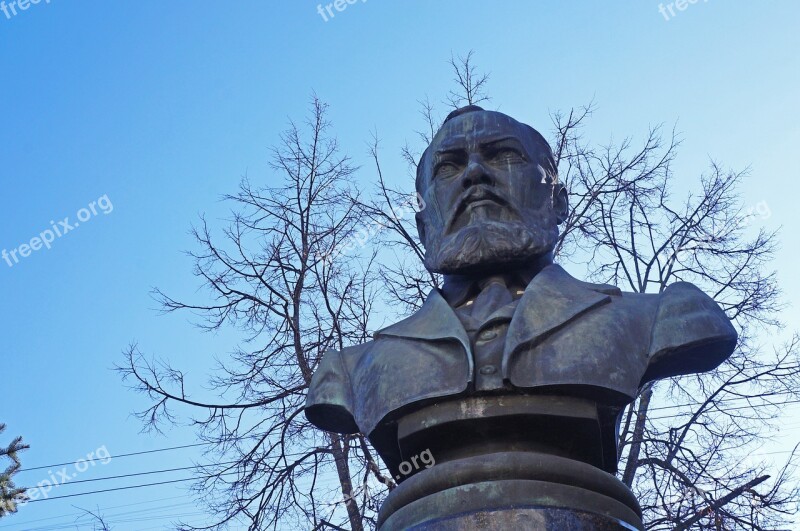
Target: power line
(111,490)
(134,474)
(9,526)
(726,400)
(116,456)
(788,402)
(56,527)
(114,518)
(133,454)
(121,476)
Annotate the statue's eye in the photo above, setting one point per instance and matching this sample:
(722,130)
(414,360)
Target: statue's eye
(508,155)
(445,169)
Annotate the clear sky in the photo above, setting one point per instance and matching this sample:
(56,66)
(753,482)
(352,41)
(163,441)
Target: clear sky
(153,110)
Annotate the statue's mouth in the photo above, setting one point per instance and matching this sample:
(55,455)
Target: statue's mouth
(476,199)
(481,202)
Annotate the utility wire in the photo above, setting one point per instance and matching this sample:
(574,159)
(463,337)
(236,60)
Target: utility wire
(77,515)
(135,474)
(726,400)
(718,410)
(116,456)
(130,487)
(116,518)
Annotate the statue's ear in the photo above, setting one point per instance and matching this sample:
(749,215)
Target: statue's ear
(560,203)
(420,226)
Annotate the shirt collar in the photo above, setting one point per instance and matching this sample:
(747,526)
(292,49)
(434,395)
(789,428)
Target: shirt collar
(459,289)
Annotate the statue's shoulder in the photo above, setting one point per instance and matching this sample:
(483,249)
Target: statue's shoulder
(341,362)
(329,403)
(351,356)
(607,289)
(684,304)
(642,306)
(691,333)
(356,351)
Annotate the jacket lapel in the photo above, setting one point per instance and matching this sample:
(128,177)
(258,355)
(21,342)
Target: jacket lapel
(552,299)
(435,320)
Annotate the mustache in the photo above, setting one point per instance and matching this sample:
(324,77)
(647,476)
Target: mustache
(474,194)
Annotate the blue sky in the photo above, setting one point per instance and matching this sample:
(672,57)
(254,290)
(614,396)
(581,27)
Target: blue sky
(163,106)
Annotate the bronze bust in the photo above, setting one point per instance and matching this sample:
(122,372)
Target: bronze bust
(513,375)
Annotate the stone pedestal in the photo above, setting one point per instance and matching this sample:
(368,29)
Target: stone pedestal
(511,491)
(533,518)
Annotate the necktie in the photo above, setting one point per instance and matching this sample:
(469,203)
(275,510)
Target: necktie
(492,297)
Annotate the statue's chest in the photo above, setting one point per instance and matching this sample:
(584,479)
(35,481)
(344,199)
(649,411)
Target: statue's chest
(596,351)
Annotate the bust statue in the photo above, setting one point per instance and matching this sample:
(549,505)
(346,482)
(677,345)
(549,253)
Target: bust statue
(514,374)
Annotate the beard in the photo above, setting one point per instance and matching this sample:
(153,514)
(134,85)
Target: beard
(491,245)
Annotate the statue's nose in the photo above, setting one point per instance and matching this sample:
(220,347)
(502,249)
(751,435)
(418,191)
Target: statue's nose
(476,174)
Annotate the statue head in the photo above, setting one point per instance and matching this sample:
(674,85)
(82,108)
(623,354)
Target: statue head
(492,196)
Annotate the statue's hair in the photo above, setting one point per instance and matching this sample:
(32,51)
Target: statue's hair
(462,110)
(544,154)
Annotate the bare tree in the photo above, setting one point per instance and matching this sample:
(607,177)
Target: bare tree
(470,84)
(98,521)
(292,272)
(687,460)
(10,494)
(286,273)
(403,277)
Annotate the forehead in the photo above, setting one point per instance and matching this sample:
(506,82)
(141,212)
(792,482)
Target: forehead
(473,128)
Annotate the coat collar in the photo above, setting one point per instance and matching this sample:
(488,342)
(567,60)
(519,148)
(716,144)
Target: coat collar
(552,299)
(435,320)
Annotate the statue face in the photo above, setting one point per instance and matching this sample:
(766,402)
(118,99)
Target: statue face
(489,203)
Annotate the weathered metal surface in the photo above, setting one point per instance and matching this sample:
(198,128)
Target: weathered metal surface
(512,354)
